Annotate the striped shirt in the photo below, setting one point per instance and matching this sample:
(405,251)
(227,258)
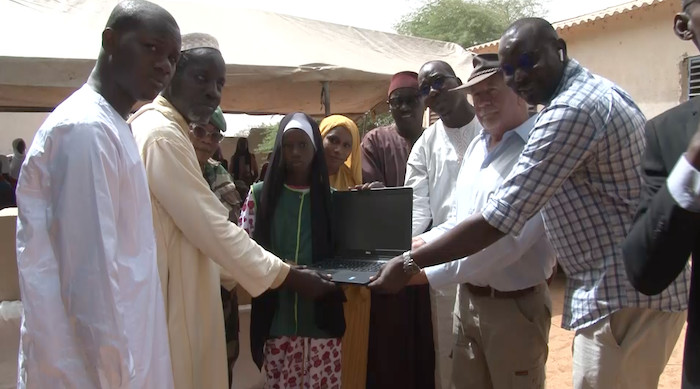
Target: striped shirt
(581,168)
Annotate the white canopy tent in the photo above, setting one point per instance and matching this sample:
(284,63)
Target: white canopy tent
(275,63)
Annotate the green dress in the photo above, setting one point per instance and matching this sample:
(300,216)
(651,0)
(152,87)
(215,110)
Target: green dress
(291,241)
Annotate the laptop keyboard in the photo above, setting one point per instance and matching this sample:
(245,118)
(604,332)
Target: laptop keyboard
(354,265)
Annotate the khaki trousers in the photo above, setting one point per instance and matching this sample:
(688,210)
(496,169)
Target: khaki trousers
(501,343)
(628,349)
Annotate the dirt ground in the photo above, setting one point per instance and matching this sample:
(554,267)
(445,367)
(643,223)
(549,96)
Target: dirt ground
(559,362)
(558,365)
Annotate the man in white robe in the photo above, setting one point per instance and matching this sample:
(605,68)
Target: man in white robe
(93,310)
(433,167)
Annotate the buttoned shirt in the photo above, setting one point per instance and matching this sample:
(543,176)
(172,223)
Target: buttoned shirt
(514,262)
(684,185)
(580,167)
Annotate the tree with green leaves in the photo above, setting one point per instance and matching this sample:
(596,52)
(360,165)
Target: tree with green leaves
(270,134)
(466,23)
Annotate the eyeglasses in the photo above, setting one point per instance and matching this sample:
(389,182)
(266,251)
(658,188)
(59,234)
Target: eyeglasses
(398,101)
(436,84)
(525,62)
(201,133)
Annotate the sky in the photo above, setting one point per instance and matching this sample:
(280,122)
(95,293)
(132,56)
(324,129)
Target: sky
(379,15)
(382,15)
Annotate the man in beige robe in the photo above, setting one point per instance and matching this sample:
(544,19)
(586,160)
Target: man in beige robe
(195,240)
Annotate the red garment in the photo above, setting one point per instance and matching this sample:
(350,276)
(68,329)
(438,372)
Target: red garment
(402,321)
(384,156)
(297,362)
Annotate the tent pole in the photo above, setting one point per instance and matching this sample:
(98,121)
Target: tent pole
(326,97)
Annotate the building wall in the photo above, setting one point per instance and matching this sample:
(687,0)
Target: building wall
(637,50)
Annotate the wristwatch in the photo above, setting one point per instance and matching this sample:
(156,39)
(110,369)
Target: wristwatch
(409,266)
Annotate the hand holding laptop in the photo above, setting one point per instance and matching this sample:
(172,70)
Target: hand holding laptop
(369,186)
(391,278)
(308,283)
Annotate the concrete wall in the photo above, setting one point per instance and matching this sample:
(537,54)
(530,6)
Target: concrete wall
(25,124)
(639,52)
(18,125)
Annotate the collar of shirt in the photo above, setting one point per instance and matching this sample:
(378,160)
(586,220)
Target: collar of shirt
(519,133)
(166,108)
(571,70)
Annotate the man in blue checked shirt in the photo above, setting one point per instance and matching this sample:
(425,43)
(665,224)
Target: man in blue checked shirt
(580,169)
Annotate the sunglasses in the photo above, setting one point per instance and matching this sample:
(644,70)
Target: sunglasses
(397,102)
(201,133)
(436,84)
(525,62)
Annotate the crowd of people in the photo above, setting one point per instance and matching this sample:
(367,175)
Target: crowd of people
(133,231)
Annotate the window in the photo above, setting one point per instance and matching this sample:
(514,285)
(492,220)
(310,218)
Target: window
(693,77)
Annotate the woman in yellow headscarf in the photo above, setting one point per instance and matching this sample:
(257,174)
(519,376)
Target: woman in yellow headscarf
(341,144)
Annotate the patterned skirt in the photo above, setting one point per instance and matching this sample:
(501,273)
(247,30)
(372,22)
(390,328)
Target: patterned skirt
(297,362)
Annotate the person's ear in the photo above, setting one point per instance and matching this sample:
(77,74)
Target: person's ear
(682,26)
(109,40)
(563,55)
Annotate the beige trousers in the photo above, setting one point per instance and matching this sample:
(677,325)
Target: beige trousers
(627,350)
(501,343)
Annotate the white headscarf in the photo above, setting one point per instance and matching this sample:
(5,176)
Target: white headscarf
(17,158)
(299,122)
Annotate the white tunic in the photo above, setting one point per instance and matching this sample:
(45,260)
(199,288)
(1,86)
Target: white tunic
(197,248)
(93,309)
(433,167)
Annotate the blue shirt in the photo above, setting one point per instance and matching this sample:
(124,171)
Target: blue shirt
(514,262)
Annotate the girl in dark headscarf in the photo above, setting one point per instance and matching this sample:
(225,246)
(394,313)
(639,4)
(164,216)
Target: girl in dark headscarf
(298,340)
(243,165)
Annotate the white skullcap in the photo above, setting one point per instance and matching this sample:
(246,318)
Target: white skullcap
(300,122)
(197,40)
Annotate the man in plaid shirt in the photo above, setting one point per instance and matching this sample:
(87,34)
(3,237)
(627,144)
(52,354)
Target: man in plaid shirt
(580,168)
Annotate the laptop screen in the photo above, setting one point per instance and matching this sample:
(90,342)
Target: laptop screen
(372,222)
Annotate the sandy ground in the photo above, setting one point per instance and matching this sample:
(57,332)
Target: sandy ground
(559,362)
(246,375)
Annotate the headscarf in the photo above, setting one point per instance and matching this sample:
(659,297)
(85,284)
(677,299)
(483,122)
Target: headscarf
(320,191)
(299,121)
(328,310)
(17,158)
(352,174)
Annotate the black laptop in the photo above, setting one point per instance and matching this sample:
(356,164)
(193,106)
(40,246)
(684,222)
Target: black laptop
(370,228)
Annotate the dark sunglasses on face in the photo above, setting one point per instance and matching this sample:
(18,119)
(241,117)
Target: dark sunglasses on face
(398,101)
(200,133)
(525,62)
(436,84)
